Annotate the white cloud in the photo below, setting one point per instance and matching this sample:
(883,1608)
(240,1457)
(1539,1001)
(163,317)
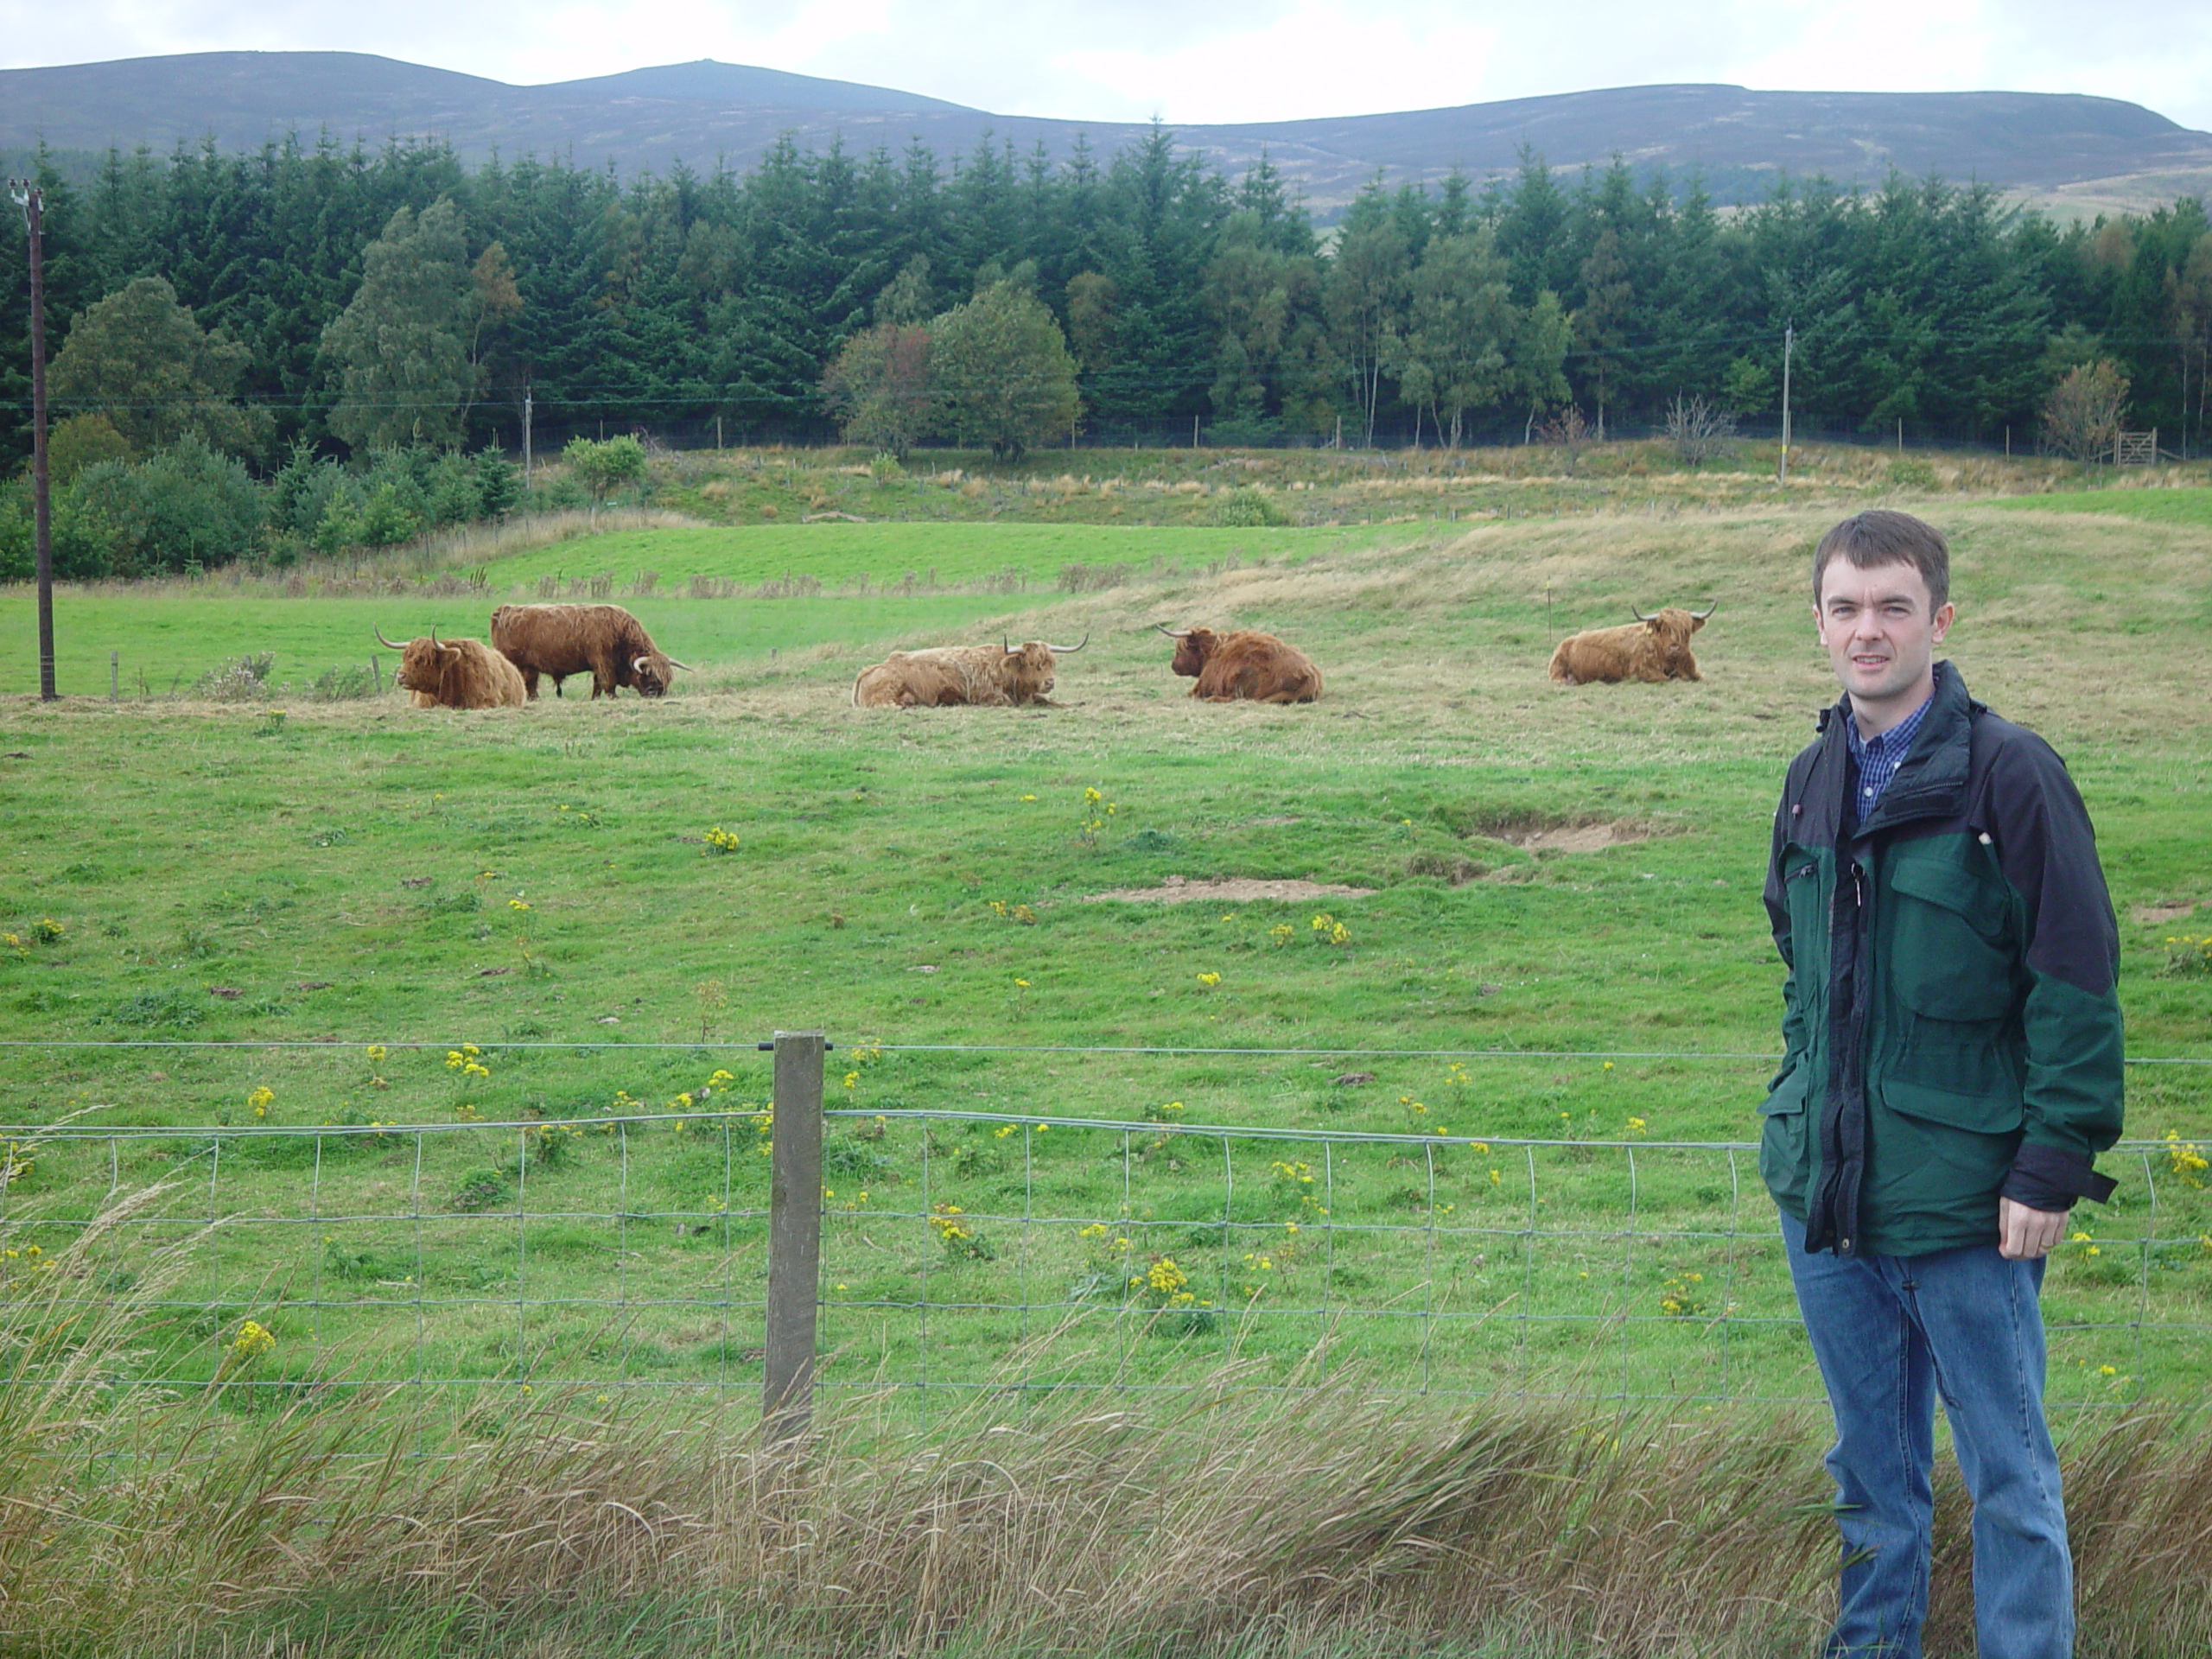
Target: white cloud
(1229,60)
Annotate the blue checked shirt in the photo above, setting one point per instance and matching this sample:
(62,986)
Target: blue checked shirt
(1874,760)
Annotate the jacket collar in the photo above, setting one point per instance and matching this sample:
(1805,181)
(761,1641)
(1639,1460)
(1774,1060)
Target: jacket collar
(1931,780)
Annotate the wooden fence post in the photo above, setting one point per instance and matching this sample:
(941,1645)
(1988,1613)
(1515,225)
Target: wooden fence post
(794,1236)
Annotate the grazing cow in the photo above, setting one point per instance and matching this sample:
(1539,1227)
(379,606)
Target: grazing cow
(945,677)
(1244,665)
(604,641)
(1652,648)
(454,673)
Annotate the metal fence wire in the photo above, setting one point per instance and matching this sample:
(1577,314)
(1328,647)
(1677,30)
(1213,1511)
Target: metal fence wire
(964,1250)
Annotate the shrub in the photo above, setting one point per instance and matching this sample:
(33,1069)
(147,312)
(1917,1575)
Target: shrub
(387,518)
(301,494)
(1249,509)
(1698,431)
(82,544)
(342,686)
(182,508)
(243,681)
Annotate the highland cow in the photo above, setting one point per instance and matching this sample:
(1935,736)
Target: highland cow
(1243,666)
(604,641)
(1653,648)
(943,677)
(454,673)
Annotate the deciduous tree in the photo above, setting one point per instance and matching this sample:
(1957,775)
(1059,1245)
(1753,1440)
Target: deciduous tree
(1002,373)
(1457,350)
(2084,414)
(878,390)
(400,352)
(1366,299)
(143,361)
(602,466)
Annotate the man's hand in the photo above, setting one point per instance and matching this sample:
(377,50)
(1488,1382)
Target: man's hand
(2025,1235)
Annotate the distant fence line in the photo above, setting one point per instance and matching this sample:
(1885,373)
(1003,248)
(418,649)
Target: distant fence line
(1172,432)
(940,1249)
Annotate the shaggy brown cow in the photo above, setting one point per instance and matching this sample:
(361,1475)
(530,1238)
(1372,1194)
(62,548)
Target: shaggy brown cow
(1652,648)
(454,673)
(945,677)
(1244,665)
(604,641)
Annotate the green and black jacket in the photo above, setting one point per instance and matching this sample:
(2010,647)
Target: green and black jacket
(1951,1030)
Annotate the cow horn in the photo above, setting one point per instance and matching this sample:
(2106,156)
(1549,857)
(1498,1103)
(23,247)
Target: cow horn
(686,667)
(1008,646)
(1069,651)
(637,664)
(1170,632)
(381,641)
(1707,611)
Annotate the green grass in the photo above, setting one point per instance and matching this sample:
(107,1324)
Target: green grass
(2189,507)
(972,583)
(166,643)
(540,883)
(842,555)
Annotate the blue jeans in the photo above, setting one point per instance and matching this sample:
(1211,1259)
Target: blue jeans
(1891,1332)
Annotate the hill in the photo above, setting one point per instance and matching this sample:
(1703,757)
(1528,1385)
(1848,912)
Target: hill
(2055,149)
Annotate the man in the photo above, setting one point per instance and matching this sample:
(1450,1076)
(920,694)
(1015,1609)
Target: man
(1951,1066)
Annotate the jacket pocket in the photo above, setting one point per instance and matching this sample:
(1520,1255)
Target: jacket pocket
(1938,1148)
(1785,1152)
(1804,896)
(1948,946)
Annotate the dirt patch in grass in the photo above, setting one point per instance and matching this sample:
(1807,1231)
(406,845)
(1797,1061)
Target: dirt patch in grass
(1230,889)
(2153,915)
(1539,833)
(1578,838)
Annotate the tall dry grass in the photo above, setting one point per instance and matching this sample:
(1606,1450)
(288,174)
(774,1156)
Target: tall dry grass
(1220,1519)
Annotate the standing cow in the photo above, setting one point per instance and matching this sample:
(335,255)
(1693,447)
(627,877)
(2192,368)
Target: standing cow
(604,641)
(1244,665)
(454,673)
(1652,648)
(946,677)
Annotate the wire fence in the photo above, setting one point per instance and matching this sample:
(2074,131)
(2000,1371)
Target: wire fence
(962,1251)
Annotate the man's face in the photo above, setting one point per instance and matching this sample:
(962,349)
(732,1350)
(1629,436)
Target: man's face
(1881,634)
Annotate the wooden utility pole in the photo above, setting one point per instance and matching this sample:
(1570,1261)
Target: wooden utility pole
(526,396)
(32,200)
(794,1236)
(1789,344)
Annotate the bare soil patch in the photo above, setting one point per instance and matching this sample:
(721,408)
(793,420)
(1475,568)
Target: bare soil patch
(1577,837)
(2155,915)
(1537,833)
(1551,832)
(1230,889)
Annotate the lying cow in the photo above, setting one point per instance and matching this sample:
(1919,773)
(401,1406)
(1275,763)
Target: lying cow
(604,641)
(454,673)
(946,677)
(1652,648)
(1244,665)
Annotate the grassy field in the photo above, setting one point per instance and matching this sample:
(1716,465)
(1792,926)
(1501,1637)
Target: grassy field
(1555,947)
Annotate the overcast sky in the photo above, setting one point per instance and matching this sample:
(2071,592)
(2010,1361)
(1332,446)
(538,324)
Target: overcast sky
(1212,61)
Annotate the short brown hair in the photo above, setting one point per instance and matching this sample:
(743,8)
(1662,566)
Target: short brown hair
(1881,536)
